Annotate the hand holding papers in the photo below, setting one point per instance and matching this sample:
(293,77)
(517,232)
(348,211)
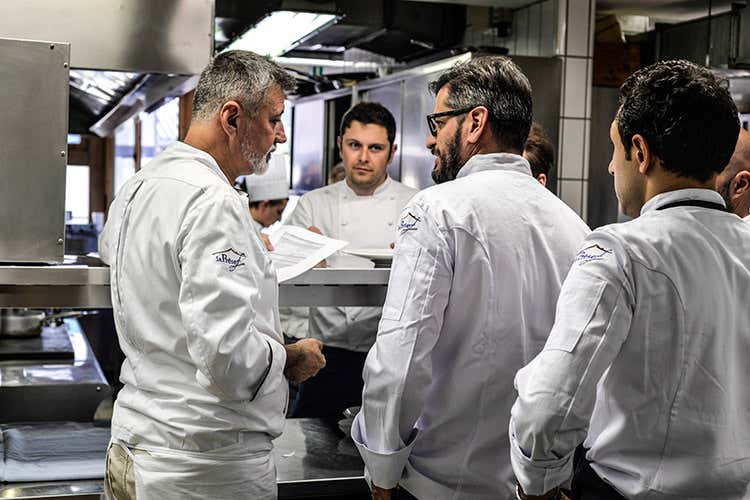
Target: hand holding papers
(296,250)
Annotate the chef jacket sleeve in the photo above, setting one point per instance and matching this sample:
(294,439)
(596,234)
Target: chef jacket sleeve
(557,389)
(398,369)
(222,265)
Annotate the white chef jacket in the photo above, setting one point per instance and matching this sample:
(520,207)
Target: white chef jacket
(647,360)
(365,222)
(195,303)
(478,265)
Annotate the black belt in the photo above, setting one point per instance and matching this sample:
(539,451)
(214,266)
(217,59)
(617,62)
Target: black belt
(694,203)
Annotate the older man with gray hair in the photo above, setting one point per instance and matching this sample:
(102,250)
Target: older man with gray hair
(479,261)
(196,306)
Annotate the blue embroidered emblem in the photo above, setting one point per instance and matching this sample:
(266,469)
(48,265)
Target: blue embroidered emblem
(408,222)
(591,253)
(230,257)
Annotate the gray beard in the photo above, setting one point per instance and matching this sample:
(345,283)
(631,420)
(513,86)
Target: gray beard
(258,163)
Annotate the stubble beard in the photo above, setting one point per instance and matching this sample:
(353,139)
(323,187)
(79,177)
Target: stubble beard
(450,161)
(258,164)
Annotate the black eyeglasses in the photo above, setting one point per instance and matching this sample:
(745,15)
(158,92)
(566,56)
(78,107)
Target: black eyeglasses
(432,124)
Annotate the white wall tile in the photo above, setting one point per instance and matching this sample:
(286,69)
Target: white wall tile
(589,81)
(535,25)
(580,27)
(573,149)
(576,87)
(571,194)
(586,149)
(585,202)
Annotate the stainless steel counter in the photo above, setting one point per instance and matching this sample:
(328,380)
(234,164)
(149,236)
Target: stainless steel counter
(44,390)
(88,287)
(312,460)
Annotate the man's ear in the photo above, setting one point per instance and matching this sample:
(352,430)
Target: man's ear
(394,148)
(740,184)
(478,120)
(228,115)
(642,153)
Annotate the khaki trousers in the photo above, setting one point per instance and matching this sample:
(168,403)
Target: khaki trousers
(119,478)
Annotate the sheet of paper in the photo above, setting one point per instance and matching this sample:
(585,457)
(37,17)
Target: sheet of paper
(295,250)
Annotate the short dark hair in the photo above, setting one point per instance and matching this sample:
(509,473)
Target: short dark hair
(370,113)
(686,115)
(496,83)
(539,151)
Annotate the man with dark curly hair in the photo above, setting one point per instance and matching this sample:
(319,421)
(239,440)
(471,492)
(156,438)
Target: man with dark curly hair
(646,365)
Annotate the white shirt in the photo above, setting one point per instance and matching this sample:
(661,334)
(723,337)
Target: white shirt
(647,361)
(195,302)
(478,265)
(365,222)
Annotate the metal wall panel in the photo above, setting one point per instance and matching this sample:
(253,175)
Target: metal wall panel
(544,74)
(308,145)
(390,97)
(602,200)
(416,160)
(144,36)
(34,100)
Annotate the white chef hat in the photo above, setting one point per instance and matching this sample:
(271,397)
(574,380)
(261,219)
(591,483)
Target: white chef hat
(272,185)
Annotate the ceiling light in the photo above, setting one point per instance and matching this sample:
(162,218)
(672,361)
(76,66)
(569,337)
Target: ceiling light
(281,31)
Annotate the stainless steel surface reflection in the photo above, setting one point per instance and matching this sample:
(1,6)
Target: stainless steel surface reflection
(53,391)
(73,490)
(312,458)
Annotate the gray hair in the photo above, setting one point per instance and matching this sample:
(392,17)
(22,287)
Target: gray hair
(496,83)
(237,75)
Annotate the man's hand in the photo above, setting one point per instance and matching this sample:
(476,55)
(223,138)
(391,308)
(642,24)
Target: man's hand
(381,493)
(304,359)
(267,241)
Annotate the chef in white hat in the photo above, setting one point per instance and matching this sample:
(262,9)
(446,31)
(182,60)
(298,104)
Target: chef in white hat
(268,194)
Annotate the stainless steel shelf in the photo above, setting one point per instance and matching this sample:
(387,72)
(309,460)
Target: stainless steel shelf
(87,287)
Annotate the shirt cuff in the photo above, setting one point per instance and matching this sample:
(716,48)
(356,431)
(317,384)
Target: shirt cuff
(537,477)
(383,469)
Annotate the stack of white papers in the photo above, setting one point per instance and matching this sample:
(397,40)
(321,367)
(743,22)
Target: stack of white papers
(296,250)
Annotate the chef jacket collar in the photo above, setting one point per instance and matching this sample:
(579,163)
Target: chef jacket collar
(662,199)
(378,190)
(495,161)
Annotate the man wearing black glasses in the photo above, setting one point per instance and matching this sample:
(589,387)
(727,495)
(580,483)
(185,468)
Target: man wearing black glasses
(478,265)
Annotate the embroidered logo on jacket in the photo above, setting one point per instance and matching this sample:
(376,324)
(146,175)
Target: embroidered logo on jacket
(230,257)
(590,253)
(408,222)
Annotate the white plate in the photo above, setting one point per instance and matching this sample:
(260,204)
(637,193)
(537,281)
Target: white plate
(371,253)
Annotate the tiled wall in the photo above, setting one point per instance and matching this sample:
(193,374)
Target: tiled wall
(564,29)
(575,45)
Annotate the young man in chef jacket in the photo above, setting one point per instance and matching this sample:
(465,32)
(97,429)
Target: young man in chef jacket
(641,389)
(363,209)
